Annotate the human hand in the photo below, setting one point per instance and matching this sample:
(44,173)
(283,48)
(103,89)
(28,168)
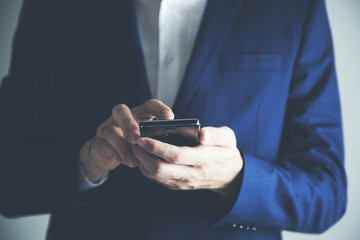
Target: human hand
(111,145)
(214,164)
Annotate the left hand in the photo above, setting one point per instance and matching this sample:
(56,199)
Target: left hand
(214,164)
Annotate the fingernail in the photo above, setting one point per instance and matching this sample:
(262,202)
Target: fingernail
(167,113)
(132,161)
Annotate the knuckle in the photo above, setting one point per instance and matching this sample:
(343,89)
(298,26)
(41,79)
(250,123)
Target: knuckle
(157,170)
(118,109)
(153,101)
(173,187)
(106,153)
(182,187)
(232,133)
(99,129)
(152,147)
(229,131)
(177,158)
(94,148)
(103,157)
(193,185)
(127,120)
(199,164)
(183,178)
(106,130)
(226,128)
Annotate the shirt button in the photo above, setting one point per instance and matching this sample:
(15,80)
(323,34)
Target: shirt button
(234,225)
(254,229)
(241,226)
(169,59)
(247,228)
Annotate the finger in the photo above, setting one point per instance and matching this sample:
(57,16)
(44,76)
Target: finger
(99,130)
(103,155)
(160,169)
(115,137)
(168,183)
(150,109)
(217,136)
(122,116)
(173,184)
(170,153)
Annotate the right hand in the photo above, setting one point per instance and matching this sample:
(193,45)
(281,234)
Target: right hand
(112,143)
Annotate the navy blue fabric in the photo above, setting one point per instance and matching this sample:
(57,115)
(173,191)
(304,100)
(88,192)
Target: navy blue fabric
(263,68)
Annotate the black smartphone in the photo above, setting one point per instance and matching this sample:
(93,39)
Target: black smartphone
(179,132)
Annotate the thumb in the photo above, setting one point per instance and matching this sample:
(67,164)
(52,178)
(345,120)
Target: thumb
(217,136)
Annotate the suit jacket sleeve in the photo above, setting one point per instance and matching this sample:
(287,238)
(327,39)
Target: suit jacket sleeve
(305,188)
(38,173)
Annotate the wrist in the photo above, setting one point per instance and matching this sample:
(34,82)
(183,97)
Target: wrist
(92,172)
(230,191)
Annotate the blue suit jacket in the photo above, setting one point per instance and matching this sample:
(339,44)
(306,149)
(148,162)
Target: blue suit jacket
(263,68)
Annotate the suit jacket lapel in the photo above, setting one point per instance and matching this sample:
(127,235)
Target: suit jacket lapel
(216,22)
(111,33)
(141,87)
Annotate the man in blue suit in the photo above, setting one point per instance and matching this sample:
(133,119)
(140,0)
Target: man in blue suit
(264,69)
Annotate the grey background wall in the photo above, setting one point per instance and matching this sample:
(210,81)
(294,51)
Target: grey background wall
(345,22)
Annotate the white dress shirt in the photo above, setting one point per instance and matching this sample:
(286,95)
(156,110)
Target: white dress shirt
(167,31)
